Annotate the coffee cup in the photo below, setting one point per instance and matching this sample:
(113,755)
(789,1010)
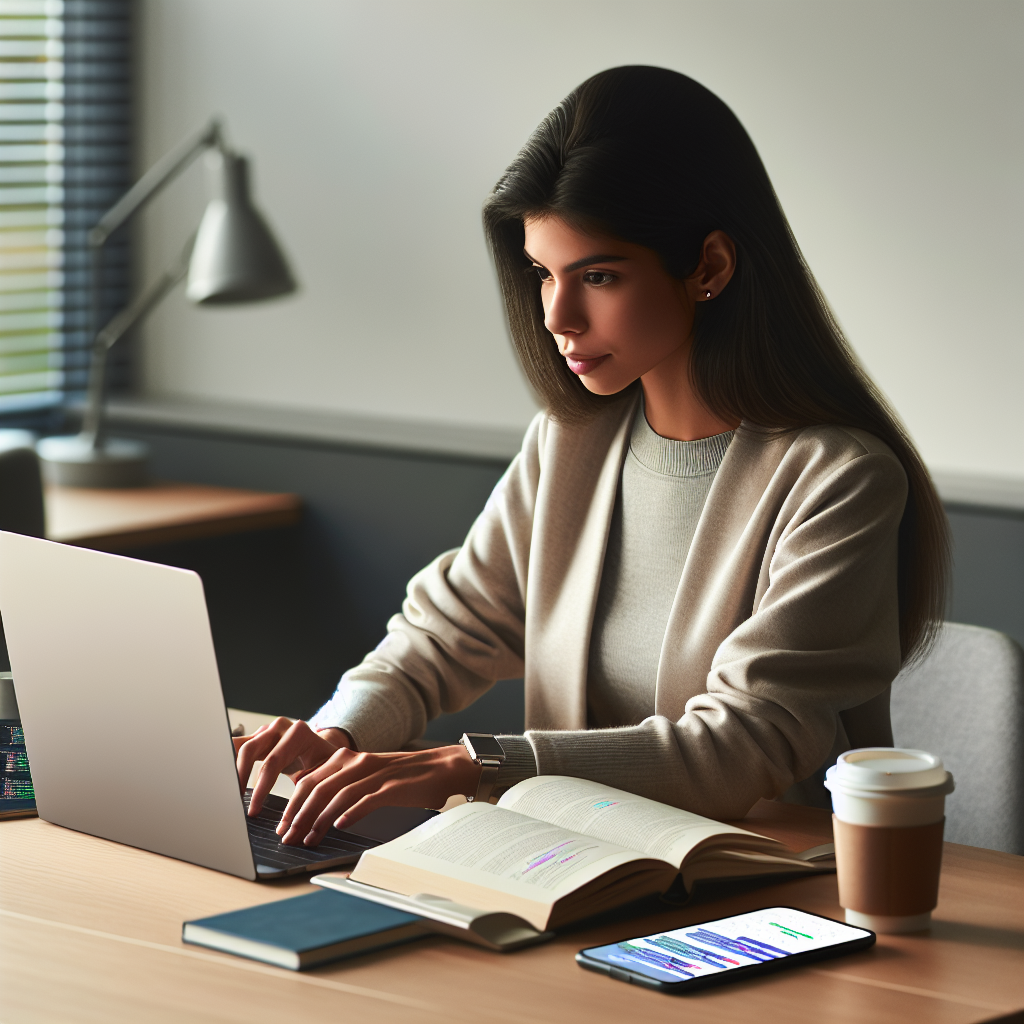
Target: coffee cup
(888,815)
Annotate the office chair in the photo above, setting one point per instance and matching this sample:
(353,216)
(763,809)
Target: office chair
(21,490)
(965,702)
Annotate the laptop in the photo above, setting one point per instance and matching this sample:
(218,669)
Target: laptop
(124,719)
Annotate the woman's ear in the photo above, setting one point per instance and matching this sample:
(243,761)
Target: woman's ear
(716,267)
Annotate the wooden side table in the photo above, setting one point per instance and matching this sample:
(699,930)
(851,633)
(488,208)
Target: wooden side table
(121,519)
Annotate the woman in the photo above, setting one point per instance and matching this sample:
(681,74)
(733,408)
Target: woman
(717,545)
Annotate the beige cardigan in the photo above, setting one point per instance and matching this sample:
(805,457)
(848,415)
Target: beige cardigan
(784,621)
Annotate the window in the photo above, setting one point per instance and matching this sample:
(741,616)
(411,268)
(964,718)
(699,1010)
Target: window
(64,159)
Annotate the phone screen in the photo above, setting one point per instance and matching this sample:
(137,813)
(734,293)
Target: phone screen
(714,947)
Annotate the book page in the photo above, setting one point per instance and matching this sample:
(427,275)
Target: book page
(501,850)
(630,821)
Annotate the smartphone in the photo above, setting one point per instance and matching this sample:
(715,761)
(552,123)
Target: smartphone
(728,949)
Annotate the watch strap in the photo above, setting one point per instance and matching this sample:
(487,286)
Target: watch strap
(489,765)
(488,780)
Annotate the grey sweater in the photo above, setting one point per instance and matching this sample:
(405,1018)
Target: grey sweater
(662,489)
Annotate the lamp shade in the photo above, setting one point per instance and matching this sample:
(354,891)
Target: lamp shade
(235,257)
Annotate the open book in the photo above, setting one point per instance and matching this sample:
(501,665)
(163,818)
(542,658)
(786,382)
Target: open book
(556,850)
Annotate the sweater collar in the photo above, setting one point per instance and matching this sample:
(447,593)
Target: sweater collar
(676,458)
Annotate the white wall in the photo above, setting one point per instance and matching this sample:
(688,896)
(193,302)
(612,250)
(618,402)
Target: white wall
(891,131)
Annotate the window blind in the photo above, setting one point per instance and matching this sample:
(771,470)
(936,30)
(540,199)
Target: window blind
(64,159)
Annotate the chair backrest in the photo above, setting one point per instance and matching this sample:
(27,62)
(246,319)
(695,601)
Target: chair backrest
(21,492)
(965,702)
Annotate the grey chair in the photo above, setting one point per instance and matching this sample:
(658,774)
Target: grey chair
(965,702)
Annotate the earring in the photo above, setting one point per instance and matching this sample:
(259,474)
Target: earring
(707,295)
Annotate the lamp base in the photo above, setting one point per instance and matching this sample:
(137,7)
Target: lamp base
(74,462)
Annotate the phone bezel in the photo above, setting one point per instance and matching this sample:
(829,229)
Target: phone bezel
(737,973)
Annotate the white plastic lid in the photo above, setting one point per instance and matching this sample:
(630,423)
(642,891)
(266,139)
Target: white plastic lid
(879,769)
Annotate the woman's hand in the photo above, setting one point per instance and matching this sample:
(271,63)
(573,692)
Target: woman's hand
(284,747)
(350,784)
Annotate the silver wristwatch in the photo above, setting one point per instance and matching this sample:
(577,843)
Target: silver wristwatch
(487,752)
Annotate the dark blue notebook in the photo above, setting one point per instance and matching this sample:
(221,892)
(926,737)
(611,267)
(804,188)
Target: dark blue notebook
(305,930)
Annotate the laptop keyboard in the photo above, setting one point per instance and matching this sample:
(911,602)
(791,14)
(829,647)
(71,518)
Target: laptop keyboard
(268,849)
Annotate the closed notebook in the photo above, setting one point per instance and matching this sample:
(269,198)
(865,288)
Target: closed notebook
(305,931)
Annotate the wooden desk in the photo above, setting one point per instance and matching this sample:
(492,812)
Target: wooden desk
(90,931)
(119,519)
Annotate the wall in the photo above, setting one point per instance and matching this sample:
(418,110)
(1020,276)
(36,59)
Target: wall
(890,128)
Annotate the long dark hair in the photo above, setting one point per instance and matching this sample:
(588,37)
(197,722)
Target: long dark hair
(652,157)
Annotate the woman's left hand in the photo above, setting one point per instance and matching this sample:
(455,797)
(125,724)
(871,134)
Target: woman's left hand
(350,784)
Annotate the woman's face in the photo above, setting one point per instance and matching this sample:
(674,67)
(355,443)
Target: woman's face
(614,310)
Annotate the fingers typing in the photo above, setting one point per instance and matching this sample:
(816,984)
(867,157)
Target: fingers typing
(350,785)
(254,748)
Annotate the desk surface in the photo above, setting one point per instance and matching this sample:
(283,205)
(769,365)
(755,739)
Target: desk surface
(90,931)
(116,519)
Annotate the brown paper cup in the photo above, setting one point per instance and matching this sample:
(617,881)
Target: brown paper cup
(889,872)
(888,822)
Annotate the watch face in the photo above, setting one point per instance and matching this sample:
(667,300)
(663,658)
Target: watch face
(482,746)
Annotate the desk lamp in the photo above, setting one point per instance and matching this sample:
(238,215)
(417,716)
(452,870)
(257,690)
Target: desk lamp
(232,258)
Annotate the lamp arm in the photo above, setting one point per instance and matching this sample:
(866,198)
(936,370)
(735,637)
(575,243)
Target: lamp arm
(160,174)
(92,420)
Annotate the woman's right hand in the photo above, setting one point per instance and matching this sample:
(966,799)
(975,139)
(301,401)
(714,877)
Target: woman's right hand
(284,746)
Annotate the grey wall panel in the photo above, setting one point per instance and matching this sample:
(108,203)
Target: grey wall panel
(988,569)
(292,609)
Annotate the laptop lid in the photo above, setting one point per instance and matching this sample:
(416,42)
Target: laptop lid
(120,699)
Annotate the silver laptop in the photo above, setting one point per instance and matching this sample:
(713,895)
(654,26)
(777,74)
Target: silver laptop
(125,725)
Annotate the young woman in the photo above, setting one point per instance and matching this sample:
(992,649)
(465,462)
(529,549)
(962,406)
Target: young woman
(717,545)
